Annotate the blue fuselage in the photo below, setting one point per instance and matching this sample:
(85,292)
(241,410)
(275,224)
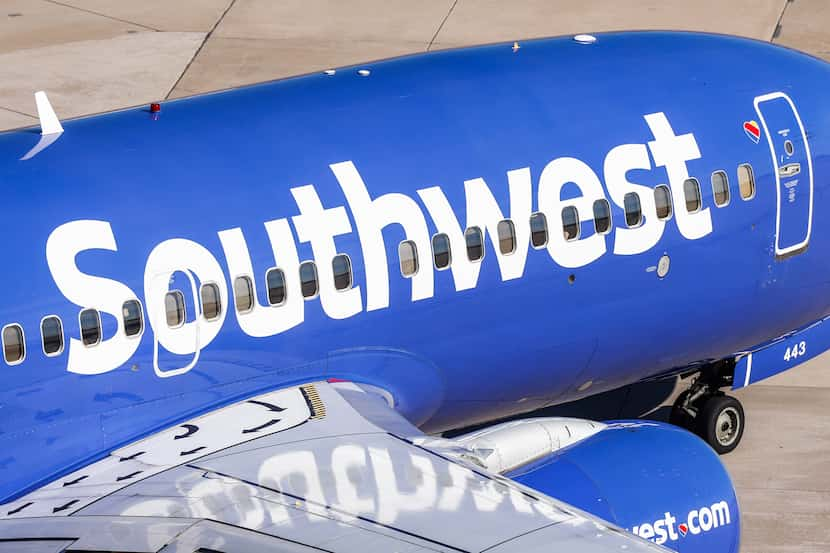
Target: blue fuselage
(164,201)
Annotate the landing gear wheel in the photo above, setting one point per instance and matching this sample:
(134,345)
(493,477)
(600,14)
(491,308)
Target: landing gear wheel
(720,421)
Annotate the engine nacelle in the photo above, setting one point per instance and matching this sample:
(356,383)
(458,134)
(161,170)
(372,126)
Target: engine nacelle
(653,479)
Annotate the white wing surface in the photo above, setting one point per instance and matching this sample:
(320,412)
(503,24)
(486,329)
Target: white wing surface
(316,467)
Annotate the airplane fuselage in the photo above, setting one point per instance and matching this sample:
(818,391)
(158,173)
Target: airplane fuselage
(133,204)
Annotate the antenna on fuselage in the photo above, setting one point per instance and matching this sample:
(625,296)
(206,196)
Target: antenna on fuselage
(50,125)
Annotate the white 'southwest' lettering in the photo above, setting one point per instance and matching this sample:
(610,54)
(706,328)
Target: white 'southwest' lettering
(369,481)
(180,255)
(698,521)
(672,152)
(556,175)
(483,212)
(618,162)
(352,459)
(371,216)
(88,291)
(267,320)
(319,226)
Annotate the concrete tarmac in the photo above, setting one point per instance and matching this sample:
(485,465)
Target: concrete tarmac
(98,55)
(782,468)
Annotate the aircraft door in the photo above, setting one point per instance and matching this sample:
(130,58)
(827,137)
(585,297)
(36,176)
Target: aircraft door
(175,316)
(793,167)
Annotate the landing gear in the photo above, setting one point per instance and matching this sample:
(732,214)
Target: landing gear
(721,423)
(714,416)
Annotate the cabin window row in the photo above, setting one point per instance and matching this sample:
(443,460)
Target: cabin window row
(244,293)
(52,332)
(277,290)
(176,310)
(571,225)
(53,337)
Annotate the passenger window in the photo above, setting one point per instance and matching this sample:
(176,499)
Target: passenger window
(308,279)
(691,190)
(90,327)
(570,223)
(602,216)
(474,239)
(408,254)
(720,188)
(14,345)
(211,301)
(507,236)
(243,294)
(133,317)
(538,230)
(746,181)
(633,211)
(341,265)
(275,281)
(51,331)
(441,251)
(662,201)
(174,308)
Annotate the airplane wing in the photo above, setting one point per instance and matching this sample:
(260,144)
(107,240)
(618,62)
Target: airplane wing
(317,467)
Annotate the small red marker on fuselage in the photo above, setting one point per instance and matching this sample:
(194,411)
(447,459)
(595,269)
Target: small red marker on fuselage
(155,107)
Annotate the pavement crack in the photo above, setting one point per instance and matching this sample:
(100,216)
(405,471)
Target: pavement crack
(99,14)
(19,112)
(199,49)
(441,26)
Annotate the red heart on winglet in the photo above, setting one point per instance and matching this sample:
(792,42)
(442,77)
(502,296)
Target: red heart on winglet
(683,529)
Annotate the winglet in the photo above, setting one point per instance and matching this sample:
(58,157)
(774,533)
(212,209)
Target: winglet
(49,122)
(50,126)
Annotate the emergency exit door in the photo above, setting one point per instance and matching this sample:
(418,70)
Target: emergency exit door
(793,171)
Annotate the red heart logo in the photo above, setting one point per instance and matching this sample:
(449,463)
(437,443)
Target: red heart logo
(683,529)
(753,131)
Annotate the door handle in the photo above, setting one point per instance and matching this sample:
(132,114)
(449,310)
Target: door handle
(789,170)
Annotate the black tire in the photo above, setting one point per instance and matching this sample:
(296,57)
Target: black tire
(721,422)
(679,416)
